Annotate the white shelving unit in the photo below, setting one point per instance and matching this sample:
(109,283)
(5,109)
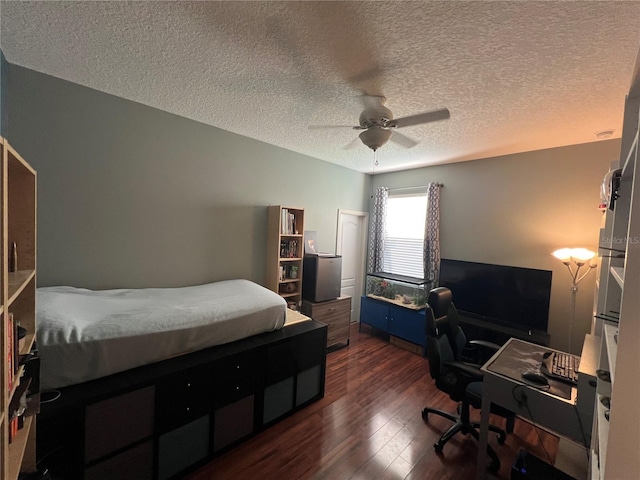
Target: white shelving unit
(616,427)
(618,275)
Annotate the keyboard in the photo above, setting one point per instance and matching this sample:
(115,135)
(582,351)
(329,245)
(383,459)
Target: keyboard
(562,366)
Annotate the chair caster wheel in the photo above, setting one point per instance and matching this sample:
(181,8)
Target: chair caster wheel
(437,447)
(494,467)
(501,438)
(425,414)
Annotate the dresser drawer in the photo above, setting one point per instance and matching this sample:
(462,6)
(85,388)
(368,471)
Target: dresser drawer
(323,310)
(337,335)
(336,321)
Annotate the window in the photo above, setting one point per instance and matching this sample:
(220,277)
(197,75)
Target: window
(404,234)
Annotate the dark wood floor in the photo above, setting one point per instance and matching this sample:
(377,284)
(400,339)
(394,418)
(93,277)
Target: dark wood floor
(369,426)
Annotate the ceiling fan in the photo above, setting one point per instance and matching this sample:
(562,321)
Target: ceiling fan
(379,126)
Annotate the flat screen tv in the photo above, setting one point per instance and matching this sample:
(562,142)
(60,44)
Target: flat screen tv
(511,296)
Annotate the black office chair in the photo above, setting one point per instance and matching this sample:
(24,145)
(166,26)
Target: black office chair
(446,347)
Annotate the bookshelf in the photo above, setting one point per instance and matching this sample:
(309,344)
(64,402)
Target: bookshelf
(285,250)
(17,306)
(615,433)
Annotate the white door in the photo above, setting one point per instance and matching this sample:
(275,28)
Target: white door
(351,243)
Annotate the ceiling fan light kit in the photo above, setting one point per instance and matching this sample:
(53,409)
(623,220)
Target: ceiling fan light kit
(375,136)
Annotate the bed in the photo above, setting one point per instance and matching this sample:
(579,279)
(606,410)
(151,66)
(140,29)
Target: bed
(190,371)
(85,334)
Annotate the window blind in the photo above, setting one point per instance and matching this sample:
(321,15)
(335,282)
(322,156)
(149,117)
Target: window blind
(404,235)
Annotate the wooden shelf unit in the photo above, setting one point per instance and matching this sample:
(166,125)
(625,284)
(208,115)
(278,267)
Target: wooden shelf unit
(17,298)
(285,250)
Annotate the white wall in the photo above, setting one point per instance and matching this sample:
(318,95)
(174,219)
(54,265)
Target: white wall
(516,209)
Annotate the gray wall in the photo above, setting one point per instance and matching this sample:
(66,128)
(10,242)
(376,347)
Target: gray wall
(516,209)
(130,196)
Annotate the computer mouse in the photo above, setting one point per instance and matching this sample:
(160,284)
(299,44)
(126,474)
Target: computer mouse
(535,378)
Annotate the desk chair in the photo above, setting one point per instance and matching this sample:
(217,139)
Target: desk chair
(446,343)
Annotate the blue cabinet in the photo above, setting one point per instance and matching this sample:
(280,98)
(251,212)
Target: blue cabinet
(405,323)
(408,324)
(374,313)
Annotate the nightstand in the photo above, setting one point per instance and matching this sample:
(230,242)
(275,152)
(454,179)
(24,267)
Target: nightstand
(334,313)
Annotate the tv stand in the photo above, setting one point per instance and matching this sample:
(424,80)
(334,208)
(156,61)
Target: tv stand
(476,329)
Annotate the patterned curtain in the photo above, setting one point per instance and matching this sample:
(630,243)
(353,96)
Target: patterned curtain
(431,256)
(376,238)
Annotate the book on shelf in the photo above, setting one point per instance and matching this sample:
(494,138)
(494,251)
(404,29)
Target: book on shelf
(18,332)
(13,428)
(15,341)
(10,356)
(287,222)
(284,221)
(289,249)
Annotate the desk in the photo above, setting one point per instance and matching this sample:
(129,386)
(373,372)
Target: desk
(555,410)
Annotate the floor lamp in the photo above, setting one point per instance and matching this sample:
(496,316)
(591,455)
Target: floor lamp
(575,259)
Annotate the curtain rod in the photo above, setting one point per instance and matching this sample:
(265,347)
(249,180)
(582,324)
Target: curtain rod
(417,186)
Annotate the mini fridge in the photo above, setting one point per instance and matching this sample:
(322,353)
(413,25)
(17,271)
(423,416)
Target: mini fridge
(321,277)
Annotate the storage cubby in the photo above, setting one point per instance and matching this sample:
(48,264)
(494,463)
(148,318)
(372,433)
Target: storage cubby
(233,422)
(183,447)
(161,420)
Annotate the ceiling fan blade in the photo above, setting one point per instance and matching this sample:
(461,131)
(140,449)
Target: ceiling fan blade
(352,144)
(317,127)
(422,118)
(402,140)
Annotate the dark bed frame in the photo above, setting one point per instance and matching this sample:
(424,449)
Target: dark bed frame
(164,419)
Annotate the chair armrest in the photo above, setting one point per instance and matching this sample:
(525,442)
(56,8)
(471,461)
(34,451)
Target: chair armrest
(479,351)
(484,344)
(470,372)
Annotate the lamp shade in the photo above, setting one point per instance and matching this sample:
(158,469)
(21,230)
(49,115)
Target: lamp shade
(582,254)
(563,254)
(578,255)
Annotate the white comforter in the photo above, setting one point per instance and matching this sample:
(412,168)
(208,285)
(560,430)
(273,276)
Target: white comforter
(84,334)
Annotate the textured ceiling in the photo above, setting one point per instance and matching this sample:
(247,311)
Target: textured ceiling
(516,76)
